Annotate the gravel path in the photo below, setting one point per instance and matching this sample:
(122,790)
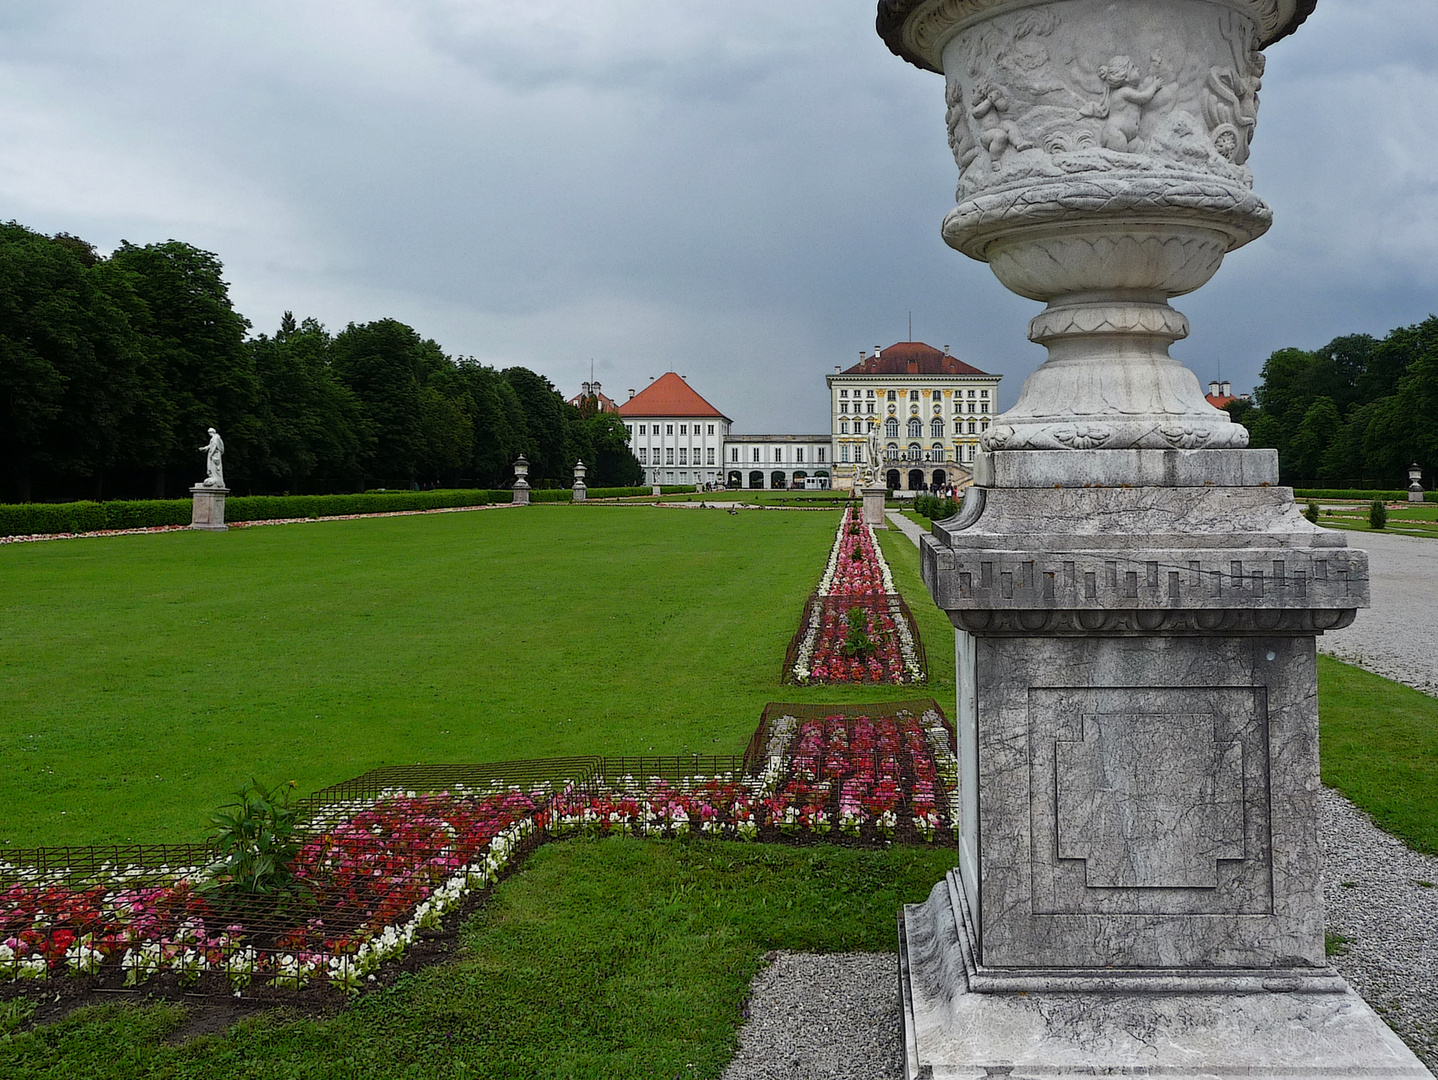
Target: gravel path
(838,1016)
(832,1017)
(1398,636)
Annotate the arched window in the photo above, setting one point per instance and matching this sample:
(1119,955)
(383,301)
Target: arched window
(916,428)
(936,428)
(937,453)
(891,428)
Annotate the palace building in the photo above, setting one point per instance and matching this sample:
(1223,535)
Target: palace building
(928,407)
(677,436)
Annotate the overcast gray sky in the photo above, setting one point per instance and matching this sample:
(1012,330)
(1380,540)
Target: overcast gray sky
(746,192)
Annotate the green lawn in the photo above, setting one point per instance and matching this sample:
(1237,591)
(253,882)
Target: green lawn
(1380,749)
(144,678)
(605,959)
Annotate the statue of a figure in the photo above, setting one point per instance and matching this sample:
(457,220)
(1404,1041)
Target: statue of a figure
(214,466)
(876,453)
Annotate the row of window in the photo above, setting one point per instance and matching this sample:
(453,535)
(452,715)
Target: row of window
(935,453)
(778,454)
(974,407)
(669,455)
(915,428)
(936,395)
(669,429)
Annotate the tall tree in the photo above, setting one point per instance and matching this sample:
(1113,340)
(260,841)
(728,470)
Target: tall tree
(196,338)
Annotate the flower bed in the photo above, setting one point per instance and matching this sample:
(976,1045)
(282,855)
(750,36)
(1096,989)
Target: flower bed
(382,868)
(376,874)
(880,643)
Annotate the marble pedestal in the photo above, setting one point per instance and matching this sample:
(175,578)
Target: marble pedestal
(579,493)
(521,494)
(1138,885)
(208,510)
(874,506)
(952,1032)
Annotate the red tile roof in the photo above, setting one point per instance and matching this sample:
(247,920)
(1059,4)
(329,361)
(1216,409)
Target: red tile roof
(606,403)
(668,395)
(1218,401)
(912,358)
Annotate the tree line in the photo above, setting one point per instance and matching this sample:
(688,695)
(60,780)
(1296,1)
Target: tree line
(1355,413)
(113,367)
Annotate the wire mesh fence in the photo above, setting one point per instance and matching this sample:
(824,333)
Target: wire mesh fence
(822,651)
(384,856)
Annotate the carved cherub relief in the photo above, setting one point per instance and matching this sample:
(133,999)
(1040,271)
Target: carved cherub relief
(1126,93)
(998,134)
(961,135)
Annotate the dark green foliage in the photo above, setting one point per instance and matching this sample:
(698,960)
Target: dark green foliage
(857,642)
(112,369)
(1356,412)
(257,842)
(1311,512)
(1377,514)
(1359,493)
(935,507)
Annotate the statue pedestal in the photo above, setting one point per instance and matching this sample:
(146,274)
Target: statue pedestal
(521,494)
(1138,887)
(579,492)
(874,506)
(208,512)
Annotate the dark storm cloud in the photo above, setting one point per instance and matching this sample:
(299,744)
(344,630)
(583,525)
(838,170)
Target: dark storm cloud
(746,192)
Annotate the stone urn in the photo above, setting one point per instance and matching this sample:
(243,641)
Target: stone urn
(1102,148)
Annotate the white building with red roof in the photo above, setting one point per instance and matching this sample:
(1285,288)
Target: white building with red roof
(928,407)
(677,436)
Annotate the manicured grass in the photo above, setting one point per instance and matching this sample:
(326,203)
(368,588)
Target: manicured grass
(934,626)
(1380,749)
(612,958)
(1406,519)
(144,678)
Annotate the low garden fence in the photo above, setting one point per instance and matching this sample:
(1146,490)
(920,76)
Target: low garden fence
(383,857)
(819,650)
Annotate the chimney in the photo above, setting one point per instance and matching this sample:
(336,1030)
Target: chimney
(1227,389)
(863,355)
(837,369)
(631,393)
(1213,388)
(876,352)
(684,377)
(946,350)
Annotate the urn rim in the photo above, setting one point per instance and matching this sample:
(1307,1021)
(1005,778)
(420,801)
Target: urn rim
(896,18)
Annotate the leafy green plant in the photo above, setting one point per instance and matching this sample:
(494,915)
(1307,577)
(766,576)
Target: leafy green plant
(857,642)
(1311,513)
(1377,514)
(1335,944)
(258,840)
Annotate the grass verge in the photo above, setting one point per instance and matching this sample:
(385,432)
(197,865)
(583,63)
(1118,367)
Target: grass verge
(1379,743)
(610,958)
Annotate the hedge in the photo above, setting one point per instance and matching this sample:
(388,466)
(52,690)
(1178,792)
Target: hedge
(38,519)
(1361,494)
(25,519)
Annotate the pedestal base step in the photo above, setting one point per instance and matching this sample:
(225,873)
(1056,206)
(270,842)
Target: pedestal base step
(954,1033)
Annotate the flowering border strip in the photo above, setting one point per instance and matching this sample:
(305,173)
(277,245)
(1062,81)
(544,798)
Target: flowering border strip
(386,864)
(855,576)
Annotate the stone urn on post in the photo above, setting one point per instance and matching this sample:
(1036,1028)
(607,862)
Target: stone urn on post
(579,471)
(1415,483)
(521,482)
(1135,600)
